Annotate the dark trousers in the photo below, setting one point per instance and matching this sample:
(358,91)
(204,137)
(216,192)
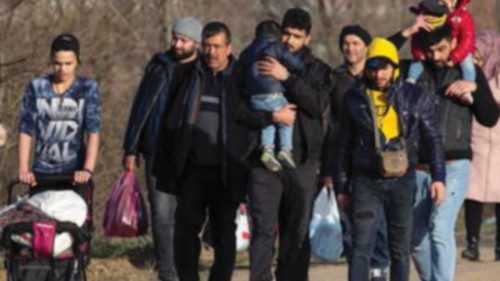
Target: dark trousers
(474,218)
(285,200)
(380,256)
(201,188)
(371,199)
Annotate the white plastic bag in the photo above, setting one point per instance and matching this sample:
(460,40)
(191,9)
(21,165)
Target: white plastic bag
(242,229)
(325,230)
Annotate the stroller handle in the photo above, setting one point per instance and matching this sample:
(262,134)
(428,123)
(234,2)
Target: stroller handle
(54,181)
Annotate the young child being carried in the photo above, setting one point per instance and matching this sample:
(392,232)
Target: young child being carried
(453,13)
(267,94)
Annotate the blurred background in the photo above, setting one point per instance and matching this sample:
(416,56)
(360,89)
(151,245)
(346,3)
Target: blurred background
(119,36)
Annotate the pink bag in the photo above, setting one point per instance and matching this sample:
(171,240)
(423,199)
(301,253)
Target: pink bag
(44,233)
(125,214)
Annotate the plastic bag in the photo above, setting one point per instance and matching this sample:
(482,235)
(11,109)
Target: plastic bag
(125,214)
(325,230)
(242,229)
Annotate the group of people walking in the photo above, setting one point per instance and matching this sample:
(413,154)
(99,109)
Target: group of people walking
(274,125)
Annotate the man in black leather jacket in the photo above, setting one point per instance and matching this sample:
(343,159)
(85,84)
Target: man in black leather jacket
(285,198)
(162,78)
(404,118)
(200,154)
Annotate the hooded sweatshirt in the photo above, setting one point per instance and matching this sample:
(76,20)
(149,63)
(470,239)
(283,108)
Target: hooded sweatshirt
(386,115)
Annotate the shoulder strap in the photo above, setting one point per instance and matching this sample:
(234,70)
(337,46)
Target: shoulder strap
(376,133)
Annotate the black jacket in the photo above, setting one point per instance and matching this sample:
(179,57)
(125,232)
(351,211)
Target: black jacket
(149,104)
(309,90)
(343,82)
(455,117)
(256,83)
(355,149)
(177,130)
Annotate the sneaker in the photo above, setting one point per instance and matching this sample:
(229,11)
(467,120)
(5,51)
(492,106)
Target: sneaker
(377,274)
(271,163)
(286,159)
(411,81)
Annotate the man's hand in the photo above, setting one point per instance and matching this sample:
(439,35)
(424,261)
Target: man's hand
(273,68)
(344,202)
(82,176)
(285,115)
(27,177)
(419,24)
(130,162)
(459,89)
(438,191)
(326,182)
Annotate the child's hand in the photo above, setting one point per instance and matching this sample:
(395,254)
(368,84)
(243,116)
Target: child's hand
(450,63)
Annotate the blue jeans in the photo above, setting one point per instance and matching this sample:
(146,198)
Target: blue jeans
(433,239)
(163,207)
(270,103)
(372,199)
(467,67)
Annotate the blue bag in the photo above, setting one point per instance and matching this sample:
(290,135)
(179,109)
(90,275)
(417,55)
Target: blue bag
(325,230)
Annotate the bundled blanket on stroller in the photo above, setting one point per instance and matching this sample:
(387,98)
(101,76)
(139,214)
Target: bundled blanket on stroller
(64,205)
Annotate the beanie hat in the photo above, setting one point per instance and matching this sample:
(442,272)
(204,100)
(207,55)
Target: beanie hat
(66,42)
(189,27)
(382,52)
(357,31)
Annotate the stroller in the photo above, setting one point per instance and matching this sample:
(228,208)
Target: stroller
(39,261)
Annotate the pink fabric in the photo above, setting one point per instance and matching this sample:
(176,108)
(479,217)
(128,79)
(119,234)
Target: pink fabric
(44,233)
(125,214)
(484,182)
(488,46)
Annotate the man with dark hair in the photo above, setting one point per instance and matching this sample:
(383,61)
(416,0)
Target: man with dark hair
(434,247)
(162,77)
(199,157)
(285,198)
(266,93)
(268,28)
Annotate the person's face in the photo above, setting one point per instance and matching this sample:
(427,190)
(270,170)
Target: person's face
(183,47)
(439,53)
(217,50)
(381,77)
(450,4)
(353,49)
(65,64)
(294,39)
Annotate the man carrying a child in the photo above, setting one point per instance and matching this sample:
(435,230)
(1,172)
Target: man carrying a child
(433,240)
(284,198)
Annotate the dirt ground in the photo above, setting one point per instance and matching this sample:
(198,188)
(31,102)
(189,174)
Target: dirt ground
(131,270)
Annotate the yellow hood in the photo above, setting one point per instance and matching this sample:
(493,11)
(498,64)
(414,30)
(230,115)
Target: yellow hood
(383,48)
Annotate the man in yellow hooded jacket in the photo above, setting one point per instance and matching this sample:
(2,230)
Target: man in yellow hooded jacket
(384,114)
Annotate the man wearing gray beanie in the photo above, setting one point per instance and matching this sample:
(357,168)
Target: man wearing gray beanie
(163,77)
(188,27)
